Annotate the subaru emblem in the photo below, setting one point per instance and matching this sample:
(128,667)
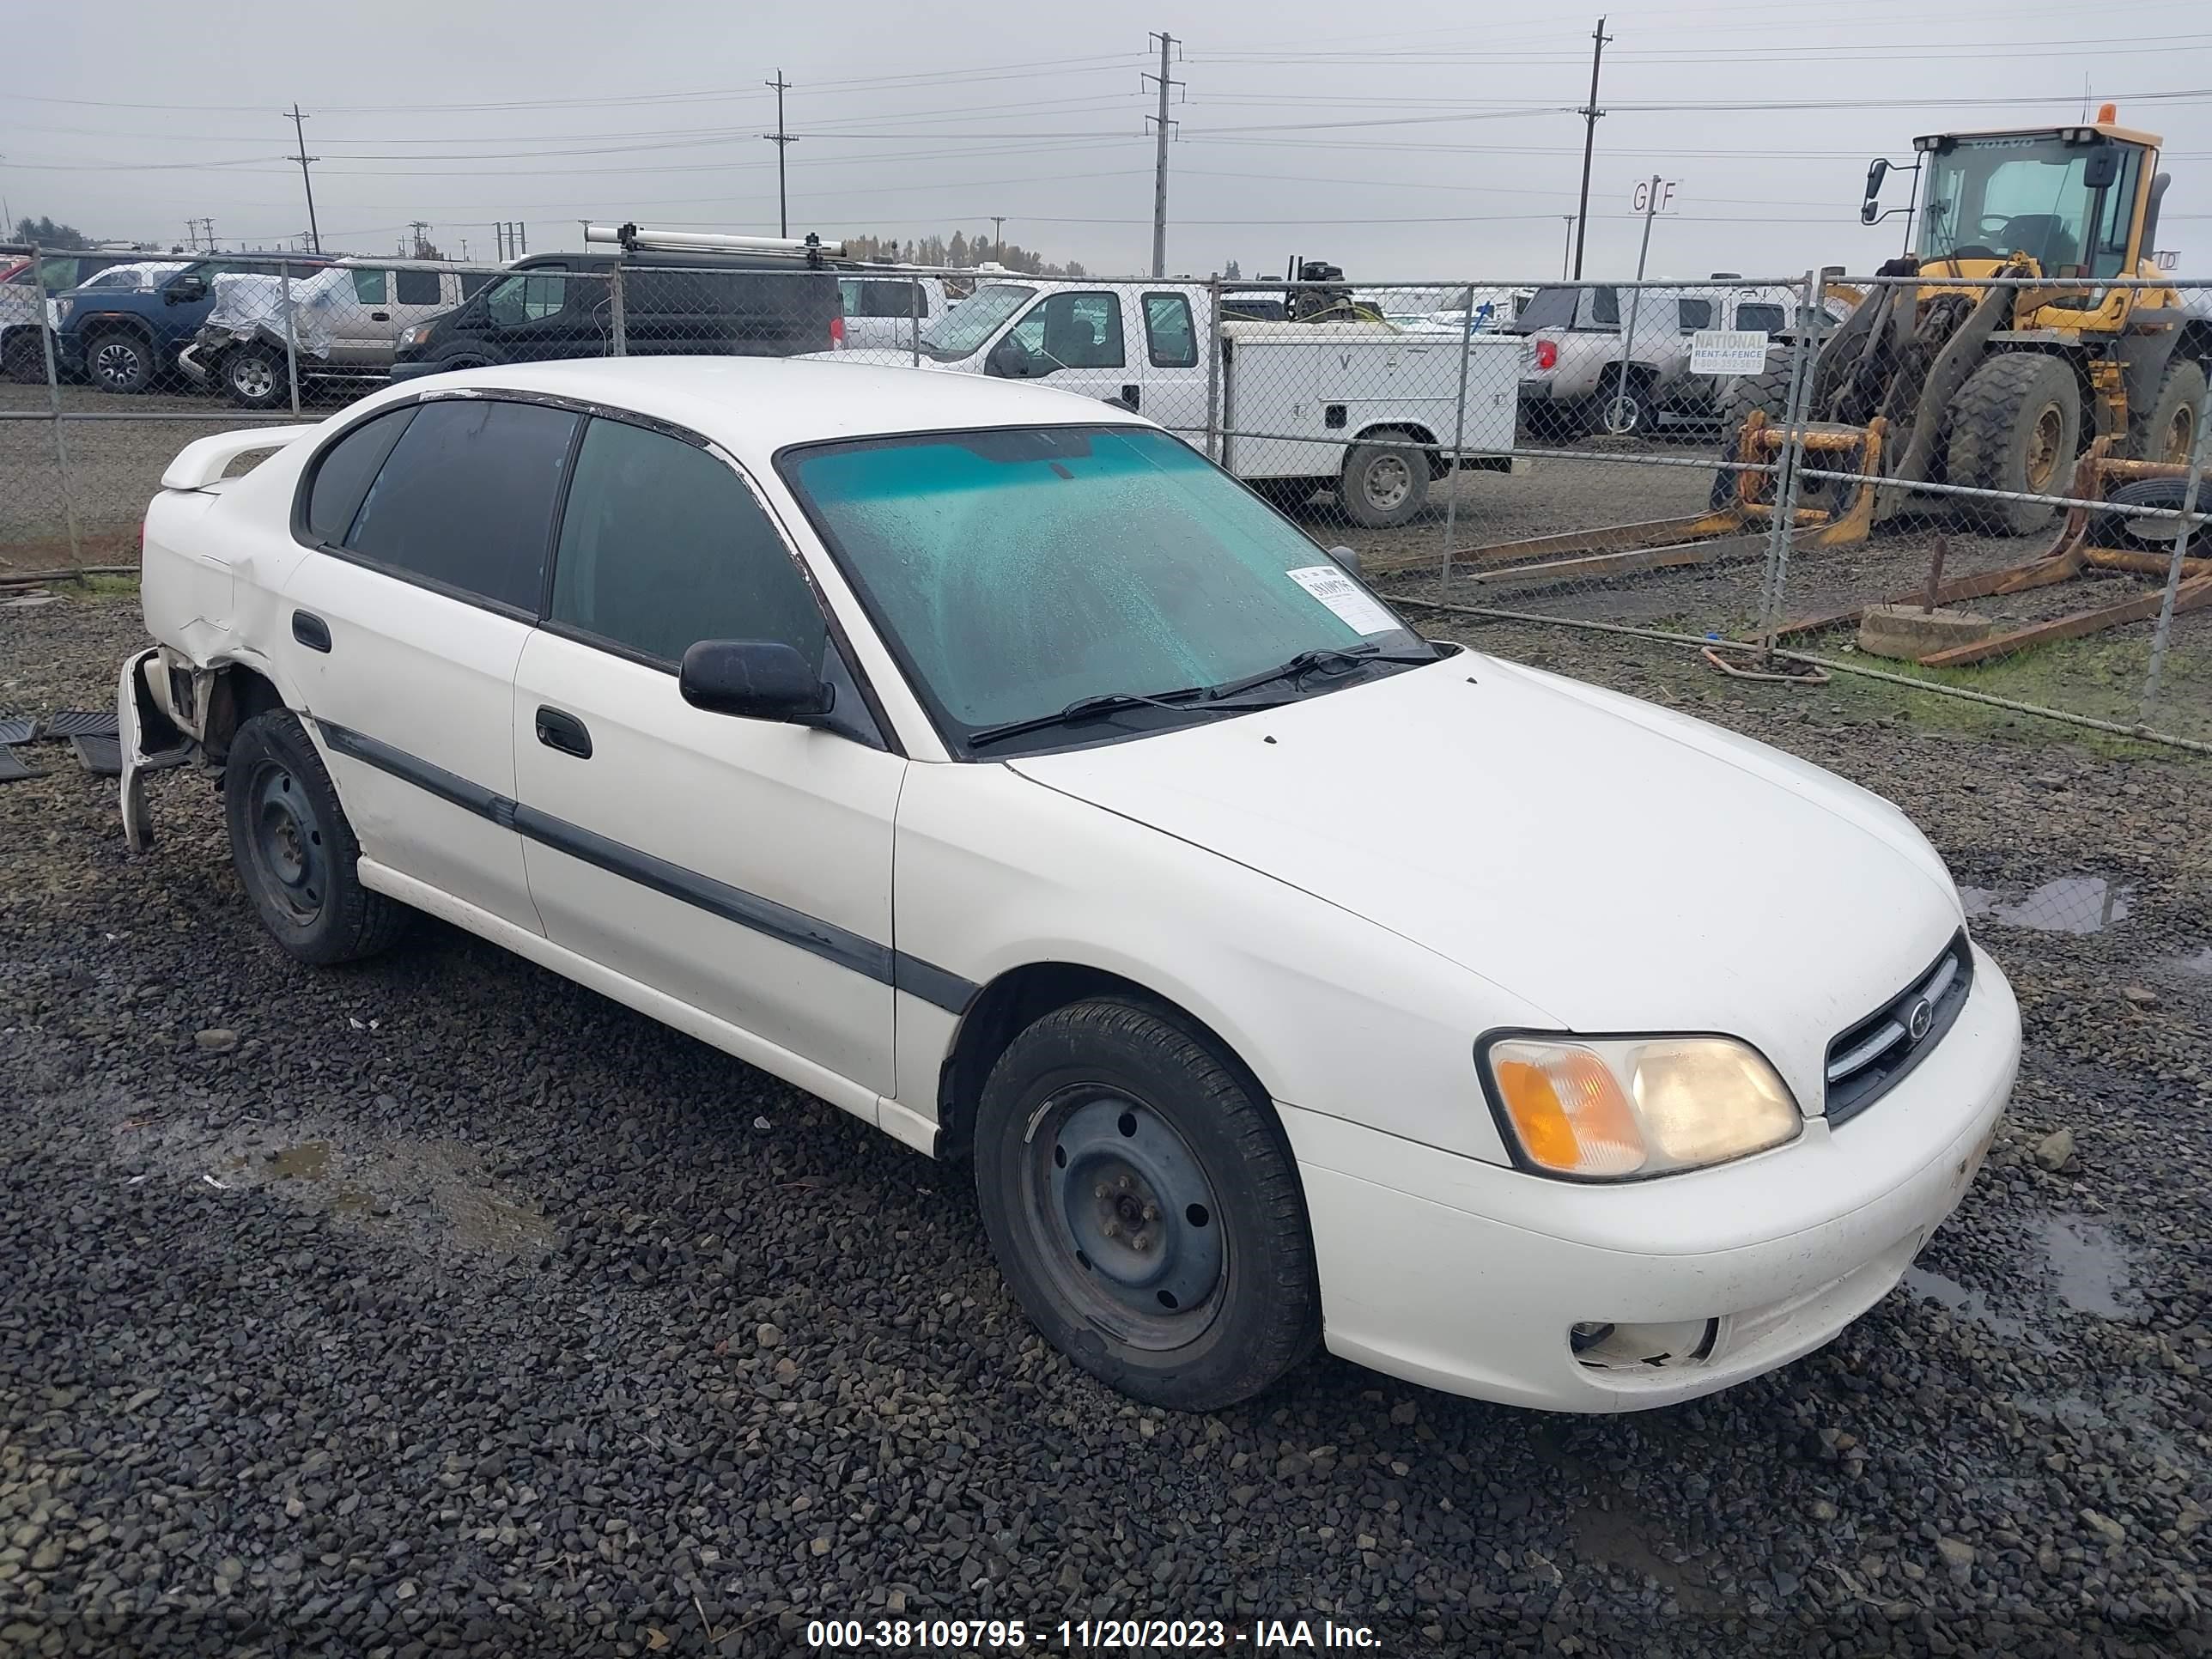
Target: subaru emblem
(1922,1016)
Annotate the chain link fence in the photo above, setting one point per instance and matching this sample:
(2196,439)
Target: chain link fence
(1985,488)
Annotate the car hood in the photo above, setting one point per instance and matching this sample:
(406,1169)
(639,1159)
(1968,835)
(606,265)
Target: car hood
(1622,867)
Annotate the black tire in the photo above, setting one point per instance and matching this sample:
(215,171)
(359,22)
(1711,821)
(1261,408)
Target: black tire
(1109,1114)
(296,852)
(2131,530)
(1621,409)
(119,361)
(23,360)
(1384,485)
(2167,431)
(254,377)
(2015,425)
(1769,394)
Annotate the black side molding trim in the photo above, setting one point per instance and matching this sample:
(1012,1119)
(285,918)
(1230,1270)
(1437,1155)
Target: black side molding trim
(825,939)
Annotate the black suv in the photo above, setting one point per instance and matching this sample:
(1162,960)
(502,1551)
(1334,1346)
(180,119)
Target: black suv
(562,305)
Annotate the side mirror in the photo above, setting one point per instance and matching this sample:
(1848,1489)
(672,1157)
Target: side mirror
(754,679)
(1346,557)
(1877,170)
(1009,360)
(2102,170)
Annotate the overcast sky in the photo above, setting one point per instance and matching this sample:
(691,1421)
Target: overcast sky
(1426,145)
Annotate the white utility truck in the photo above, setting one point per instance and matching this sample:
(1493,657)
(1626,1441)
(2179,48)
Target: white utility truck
(1361,407)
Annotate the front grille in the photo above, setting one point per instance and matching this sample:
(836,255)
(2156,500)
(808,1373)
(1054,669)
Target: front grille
(1872,1057)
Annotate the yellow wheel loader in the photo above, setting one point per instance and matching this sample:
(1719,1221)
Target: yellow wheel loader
(2055,382)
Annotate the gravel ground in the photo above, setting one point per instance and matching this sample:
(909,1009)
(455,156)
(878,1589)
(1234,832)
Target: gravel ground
(439,1305)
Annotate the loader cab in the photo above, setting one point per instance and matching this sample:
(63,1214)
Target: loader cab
(2072,198)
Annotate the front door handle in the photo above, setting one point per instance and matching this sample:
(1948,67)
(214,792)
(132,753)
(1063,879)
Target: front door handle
(311,631)
(379,316)
(564,731)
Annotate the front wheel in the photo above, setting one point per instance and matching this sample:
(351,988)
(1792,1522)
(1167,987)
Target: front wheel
(1385,482)
(1144,1206)
(119,362)
(293,849)
(254,377)
(23,359)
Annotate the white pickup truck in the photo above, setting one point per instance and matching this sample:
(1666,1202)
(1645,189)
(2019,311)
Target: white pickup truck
(1363,408)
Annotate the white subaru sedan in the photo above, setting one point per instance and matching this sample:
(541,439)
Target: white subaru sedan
(984,761)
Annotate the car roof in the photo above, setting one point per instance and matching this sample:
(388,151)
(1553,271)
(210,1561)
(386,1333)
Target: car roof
(754,406)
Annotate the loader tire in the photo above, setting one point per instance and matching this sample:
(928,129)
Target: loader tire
(1768,394)
(2015,426)
(2167,430)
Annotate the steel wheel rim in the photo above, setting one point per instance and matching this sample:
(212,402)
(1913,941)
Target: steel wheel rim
(1623,415)
(1389,481)
(252,377)
(1159,1294)
(286,838)
(2042,448)
(2180,436)
(118,363)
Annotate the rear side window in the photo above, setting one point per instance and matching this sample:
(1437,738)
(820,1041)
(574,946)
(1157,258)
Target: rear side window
(368,286)
(416,287)
(473,281)
(465,498)
(345,471)
(1605,307)
(663,546)
(889,300)
(1169,338)
(1767,319)
(1695,315)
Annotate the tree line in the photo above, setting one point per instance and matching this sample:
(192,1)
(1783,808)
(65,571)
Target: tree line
(959,251)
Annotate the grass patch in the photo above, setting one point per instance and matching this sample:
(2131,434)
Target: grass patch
(96,587)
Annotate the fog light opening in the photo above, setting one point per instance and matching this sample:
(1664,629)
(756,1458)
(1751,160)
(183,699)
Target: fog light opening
(1599,1346)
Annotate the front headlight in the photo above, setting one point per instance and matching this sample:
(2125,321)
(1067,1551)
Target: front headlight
(1611,1109)
(415,336)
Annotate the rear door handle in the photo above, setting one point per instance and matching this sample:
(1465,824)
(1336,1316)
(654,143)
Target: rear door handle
(379,316)
(565,732)
(311,631)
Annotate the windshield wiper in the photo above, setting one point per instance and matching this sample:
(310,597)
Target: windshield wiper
(1306,661)
(1084,709)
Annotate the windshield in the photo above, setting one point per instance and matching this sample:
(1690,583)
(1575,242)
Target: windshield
(974,320)
(1017,571)
(2027,194)
(1549,308)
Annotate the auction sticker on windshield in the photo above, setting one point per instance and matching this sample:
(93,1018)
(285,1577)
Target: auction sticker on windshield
(1351,602)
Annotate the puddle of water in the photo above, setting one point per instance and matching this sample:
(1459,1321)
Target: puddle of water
(351,1200)
(484,1223)
(1947,1293)
(2088,1265)
(310,1162)
(2072,904)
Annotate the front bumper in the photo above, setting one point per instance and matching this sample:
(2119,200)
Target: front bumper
(1467,1276)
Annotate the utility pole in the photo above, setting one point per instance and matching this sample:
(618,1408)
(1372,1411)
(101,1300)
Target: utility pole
(1590,112)
(418,225)
(999,237)
(1160,162)
(298,132)
(782,141)
(1567,250)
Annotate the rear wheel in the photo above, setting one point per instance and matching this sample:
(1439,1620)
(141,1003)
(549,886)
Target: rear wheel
(293,849)
(254,377)
(1144,1206)
(119,362)
(23,359)
(2015,426)
(1385,482)
(2168,431)
(1622,406)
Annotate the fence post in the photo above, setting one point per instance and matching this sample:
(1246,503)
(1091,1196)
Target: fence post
(615,318)
(2182,534)
(914,322)
(1459,437)
(54,407)
(291,334)
(1774,582)
(1214,343)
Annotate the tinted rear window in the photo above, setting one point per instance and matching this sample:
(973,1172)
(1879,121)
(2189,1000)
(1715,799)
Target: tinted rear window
(466,497)
(416,287)
(343,474)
